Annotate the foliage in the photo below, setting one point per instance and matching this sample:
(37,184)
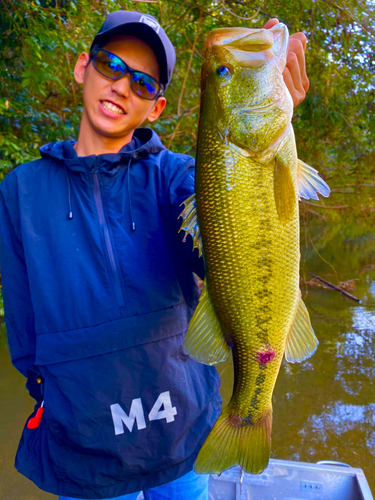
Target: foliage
(335,126)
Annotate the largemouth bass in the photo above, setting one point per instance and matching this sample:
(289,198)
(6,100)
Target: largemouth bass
(244,218)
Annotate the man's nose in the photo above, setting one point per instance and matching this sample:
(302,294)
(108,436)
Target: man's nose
(122,86)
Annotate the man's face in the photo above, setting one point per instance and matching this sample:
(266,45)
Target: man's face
(111,108)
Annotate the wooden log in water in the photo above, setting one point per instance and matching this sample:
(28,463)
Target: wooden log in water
(344,292)
(336,207)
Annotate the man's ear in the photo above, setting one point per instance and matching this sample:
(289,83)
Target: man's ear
(79,70)
(158,109)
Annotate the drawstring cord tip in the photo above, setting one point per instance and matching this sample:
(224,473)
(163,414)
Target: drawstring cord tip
(130,201)
(70,214)
(34,422)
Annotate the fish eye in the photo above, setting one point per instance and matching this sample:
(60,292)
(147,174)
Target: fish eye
(223,71)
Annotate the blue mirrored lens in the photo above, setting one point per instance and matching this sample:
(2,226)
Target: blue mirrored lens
(143,85)
(109,65)
(115,64)
(112,67)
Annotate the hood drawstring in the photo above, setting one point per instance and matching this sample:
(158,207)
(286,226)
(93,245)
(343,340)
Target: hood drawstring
(70,214)
(130,201)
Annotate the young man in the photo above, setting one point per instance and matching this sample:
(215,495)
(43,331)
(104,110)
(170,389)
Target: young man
(98,285)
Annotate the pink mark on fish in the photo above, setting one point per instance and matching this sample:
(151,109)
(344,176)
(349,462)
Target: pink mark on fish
(235,421)
(266,357)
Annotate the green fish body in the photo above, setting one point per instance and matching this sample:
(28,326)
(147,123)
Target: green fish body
(248,182)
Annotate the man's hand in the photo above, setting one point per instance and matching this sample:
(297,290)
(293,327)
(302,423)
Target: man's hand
(294,74)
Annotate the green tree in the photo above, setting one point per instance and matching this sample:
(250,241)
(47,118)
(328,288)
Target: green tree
(42,38)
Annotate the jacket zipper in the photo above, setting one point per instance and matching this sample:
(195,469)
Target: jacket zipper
(107,238)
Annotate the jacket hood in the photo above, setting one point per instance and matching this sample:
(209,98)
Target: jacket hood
(145,141)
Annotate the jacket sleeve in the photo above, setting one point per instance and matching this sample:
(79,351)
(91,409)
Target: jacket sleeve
(19,314)
(180,188)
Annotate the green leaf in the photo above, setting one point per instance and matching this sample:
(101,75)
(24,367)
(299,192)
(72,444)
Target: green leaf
(25,82)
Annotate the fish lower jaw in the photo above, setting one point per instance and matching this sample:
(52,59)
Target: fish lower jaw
(267,153)
(258,156)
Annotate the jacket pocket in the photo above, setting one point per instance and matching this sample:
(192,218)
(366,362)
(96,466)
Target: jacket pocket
(137,410)
(57,347)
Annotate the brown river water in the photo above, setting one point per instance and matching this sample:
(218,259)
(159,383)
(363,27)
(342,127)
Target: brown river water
(324,408)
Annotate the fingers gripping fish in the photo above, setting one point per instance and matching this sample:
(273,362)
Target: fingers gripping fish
(244,219)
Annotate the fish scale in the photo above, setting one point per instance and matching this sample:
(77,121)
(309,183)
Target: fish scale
(244,219)
(246,245)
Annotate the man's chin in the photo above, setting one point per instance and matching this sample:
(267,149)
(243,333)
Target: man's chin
(113,134)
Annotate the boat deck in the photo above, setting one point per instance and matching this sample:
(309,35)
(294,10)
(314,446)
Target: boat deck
(287,480)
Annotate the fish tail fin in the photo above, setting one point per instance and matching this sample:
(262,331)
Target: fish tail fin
(231,443)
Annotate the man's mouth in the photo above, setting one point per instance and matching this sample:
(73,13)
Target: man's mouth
(113,108)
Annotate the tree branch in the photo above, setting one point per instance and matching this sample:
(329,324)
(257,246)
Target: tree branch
(240,17)
(191,45)
(189,66)
(145,1)
(337,207)
(174,132)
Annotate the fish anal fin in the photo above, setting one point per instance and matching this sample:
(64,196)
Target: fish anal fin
(284,191)
(190,223)
(301,342)
(229,444)
(310,183)
(205,340)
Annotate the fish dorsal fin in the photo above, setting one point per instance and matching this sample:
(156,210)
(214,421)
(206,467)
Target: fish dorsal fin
(301,342)
(205,340)
(309,182)
(190,223)
(284,191)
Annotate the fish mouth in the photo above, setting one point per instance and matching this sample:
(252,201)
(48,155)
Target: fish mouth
(241,38)
(250,48)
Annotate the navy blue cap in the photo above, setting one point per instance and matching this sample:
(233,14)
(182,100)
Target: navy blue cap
(144,27)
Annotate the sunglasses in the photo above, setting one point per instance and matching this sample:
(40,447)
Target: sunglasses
(114,68)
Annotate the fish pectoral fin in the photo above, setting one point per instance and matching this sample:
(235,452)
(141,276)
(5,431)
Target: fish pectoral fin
(310,183)
(205,340)
(284,190)
(190,223)
(301,342)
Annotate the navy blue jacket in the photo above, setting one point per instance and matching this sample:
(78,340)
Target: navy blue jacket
(98,294)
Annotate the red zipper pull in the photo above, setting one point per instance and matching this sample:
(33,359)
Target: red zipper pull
(34,422)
